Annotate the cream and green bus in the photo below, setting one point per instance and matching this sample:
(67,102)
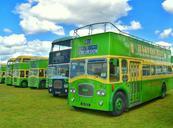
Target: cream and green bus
(113,71)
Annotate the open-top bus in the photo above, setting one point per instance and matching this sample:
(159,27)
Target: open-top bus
(21,71)
(113,71)
(9,71)
(58,69)
(2,73)
(37,72)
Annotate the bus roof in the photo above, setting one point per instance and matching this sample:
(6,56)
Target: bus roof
(63,41)
(108,43)
(113,29)
(11,59)
(24,56)
(39,58)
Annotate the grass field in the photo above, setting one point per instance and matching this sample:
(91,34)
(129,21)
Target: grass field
(28,108)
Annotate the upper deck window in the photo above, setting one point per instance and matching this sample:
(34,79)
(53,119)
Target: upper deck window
(56,47)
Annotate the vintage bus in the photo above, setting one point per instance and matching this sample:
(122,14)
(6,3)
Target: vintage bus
(9,71)
(37,72)
(113,71)
(2,73)
(21,71)
(58,69)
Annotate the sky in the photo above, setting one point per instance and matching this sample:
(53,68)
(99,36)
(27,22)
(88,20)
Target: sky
(27,27)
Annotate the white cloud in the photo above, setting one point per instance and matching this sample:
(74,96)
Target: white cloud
(43,15)
(164,44)
(168,5)
(21,46)
(166,33)
(12,40)
(134,25)
(7,30)
(33,25)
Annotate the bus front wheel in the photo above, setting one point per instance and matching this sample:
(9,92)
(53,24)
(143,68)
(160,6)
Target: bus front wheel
(24,84)
(119,104)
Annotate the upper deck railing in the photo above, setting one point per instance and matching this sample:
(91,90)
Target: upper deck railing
(102,27)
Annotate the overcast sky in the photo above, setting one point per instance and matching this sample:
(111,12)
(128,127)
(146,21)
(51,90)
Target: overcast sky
(29,26)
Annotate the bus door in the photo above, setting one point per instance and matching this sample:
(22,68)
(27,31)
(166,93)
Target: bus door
(134,82)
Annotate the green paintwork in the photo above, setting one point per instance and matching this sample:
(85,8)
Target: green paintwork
(2,73)
(110,43)
(17,79)
(9,72)
(34,81)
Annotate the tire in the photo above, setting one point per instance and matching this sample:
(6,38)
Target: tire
(163,91)
(42,84)
(119,104)
(24,84)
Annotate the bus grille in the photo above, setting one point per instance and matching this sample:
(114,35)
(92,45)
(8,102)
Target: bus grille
(58,84)
(86,90)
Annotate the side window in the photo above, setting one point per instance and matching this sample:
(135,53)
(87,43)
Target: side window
(146,70)
(158,70)
(114,70)
(152,70)
(164,70)
(27,73)
(124,66)
(45,73)
(41,73)
(22,74)
(169,70)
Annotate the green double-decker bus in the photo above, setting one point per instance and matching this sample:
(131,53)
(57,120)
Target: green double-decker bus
(9,71)
(37,72)
(2,73)
(21,71)
(113,71)
(58,69)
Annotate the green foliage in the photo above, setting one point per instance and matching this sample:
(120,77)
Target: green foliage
(28,108)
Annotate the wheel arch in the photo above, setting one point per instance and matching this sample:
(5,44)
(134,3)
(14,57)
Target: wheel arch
(119,89)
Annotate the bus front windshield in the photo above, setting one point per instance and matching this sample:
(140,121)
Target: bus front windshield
(94,67)
(50,71)
(97,67)
(62,70)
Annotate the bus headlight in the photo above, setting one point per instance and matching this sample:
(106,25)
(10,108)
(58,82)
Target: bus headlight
(72,90)
(101,92)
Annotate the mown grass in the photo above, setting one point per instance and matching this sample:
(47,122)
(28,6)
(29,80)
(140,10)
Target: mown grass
(28,108)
